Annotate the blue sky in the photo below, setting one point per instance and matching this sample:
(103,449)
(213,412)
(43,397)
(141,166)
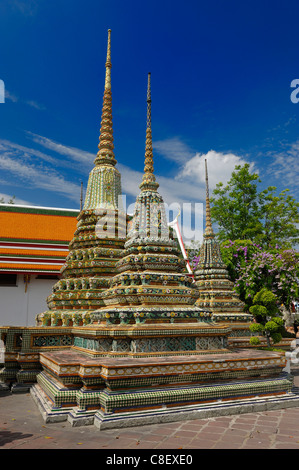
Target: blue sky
(221,75)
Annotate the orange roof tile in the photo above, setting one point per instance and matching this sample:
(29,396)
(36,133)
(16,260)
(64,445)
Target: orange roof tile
(37,226)
(35,239)
(36,252)
(30,267)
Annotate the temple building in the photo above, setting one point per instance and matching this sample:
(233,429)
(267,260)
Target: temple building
(126,339)
(34,243)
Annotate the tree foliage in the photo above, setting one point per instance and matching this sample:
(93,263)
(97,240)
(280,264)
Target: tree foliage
(267,318)
(236,254)
(10,201)
(252,268)
(242,212)
(258,233)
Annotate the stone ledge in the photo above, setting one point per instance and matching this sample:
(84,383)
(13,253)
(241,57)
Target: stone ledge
(236,407)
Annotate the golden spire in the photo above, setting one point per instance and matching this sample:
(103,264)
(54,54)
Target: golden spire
(209,229)
(108,64)
(149,180)
(105,154)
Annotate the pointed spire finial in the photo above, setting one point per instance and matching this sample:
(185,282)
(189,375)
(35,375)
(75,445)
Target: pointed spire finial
(209,229)
(105,154)
(149,180)
(149,102)
(108,64)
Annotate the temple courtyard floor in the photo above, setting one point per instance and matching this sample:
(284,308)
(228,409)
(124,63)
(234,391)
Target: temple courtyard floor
(22,427)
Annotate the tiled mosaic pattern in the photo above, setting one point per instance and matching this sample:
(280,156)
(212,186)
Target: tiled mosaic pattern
(122,401)
(69,363)
(53,340)
(148,345)
(58,395)
(24,345)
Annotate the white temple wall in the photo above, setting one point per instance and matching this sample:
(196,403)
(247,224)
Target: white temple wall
(19,308)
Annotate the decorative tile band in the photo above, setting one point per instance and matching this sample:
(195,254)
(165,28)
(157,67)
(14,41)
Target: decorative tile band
(51,340)
(189,367)
(54,393)
(147,345)
(112,402)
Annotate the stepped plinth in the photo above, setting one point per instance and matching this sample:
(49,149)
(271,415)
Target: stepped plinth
(119,392)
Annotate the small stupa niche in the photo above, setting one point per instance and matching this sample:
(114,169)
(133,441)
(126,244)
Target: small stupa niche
(151,285)
(212,278)
(99,239)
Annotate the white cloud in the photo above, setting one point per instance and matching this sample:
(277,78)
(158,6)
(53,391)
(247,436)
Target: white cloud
(15,99)
(181,191)
(10,96)
(187,187)
(35,104)
(185,191)
(170,189)
(190,179)
(25,152)
(25,7)
(78,155)
(285,167)
(8,197)
(173,149)
(130,180)
(38,177)
(220,167)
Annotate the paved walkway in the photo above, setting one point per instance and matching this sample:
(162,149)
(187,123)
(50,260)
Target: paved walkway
(22,427)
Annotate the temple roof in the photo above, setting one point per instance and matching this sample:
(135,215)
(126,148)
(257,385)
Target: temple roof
(35,239)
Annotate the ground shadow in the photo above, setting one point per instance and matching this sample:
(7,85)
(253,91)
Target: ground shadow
(8,436)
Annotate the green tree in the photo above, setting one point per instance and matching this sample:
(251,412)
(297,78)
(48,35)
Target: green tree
(267,320)
(235,208)
(251,268)
(242,212)
(10,201)
(279,216)
(236,255)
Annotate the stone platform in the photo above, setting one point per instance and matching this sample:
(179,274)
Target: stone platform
(116,392)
